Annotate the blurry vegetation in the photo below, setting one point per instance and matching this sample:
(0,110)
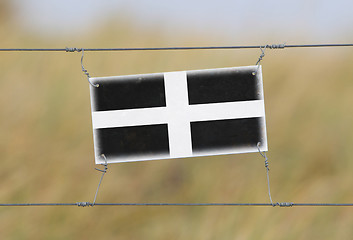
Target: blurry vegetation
(47,148)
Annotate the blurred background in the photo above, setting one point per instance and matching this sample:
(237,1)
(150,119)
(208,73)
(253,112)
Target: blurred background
(46,134)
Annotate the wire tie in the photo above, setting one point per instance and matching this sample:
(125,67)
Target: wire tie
(262,55)
(285,204)
(103,172)
(84,204)
(263,154)
(85,71)
(276,46)
(67,49)
(105,164)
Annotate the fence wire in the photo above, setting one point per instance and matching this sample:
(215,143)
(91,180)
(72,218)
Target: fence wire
(267,46)
(89,204)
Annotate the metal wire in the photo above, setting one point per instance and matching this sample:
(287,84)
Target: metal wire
(82,67)
(259,60)
(271,46)
(88,204)
(103,173)
(263,154)
(35,204)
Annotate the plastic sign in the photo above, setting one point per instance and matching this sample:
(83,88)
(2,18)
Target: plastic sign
(178,114)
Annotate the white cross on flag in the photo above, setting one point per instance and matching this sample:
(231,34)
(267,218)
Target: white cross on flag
(178,114)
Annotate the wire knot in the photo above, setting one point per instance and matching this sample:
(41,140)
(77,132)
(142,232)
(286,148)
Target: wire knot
(67,49)
(267,164)
(260,59)
(105,164)
(261,55)
(276,46)
(283,204)
(263,49)
(84,204)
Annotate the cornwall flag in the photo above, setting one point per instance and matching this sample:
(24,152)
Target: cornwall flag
(178,114)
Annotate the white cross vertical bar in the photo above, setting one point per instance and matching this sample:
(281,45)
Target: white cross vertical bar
(178,122)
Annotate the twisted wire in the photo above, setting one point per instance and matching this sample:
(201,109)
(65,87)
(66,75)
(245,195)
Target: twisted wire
(263,154)
(82,67)
(103,173)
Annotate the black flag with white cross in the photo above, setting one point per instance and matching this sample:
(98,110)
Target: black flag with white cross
(178,114)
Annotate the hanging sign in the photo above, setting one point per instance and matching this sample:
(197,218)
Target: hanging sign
(178,114)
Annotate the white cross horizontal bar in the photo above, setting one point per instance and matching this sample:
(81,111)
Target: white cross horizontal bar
(129,117)
(161,115)
(229,110)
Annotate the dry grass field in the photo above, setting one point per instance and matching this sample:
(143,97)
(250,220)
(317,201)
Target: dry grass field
(47,148)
